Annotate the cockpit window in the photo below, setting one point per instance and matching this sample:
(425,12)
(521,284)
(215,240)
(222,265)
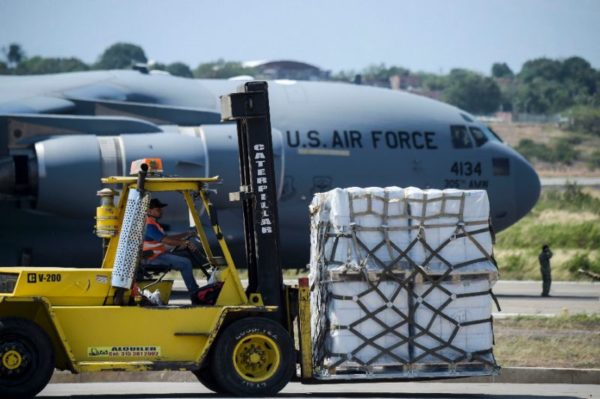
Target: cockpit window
(494,134)
(479,137)
(466,117)
(460,137)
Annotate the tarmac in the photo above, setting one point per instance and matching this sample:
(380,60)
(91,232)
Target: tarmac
(509,375)
(519,297)
(566,297)
(406,390)
(515,297)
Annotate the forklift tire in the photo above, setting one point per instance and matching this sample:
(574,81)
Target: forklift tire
(254,356)
(26,358)
(206,378)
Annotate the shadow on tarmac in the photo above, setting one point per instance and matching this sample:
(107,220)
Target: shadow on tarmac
(318,395)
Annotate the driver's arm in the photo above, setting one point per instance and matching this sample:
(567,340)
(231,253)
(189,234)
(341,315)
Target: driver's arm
(178,242)
(181,236)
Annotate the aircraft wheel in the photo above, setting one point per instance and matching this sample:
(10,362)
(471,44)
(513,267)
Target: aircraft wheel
(254,356)
(206,378)
(26,358)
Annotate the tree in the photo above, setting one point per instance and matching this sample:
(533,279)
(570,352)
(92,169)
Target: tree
(501,70)
(222,69)
(530,98)
(580,79)
(180,69)
(432,81)
(344,76)
(551,86)
(39,65)
(585,119)
(14,55)
(121,56)
(540,68)
(382,73)
(157,66)
(4,68)
(472,92)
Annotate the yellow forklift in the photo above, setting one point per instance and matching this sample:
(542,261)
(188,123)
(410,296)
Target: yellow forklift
(92,320)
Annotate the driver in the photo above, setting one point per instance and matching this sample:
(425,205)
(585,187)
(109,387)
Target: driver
(156,241)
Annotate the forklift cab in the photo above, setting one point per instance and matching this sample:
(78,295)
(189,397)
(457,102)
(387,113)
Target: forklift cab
(112,224)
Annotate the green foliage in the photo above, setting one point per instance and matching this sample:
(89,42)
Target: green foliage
(344,76)
(158,66)
(580,235)
(585,119)
(121,56)
(472,92)
(14,54)
(381,73)
(543,85)
(39,65)
(540,68)
(550,86)
(542,97)
(576,235)
(582,261)
(532,150)
(562,151)
(594,160)
(512,264)
(572,198)
(432,81)
(180,69)
(175,69)
(501,70)
(222,69)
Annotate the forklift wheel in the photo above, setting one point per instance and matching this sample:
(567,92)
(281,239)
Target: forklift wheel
(26,358)
(254,356)
(206,378)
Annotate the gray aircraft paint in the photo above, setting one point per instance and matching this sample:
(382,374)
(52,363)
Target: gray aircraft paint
(325,135)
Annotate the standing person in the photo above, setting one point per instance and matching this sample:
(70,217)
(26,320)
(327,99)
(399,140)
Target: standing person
(544,259)
(157,241)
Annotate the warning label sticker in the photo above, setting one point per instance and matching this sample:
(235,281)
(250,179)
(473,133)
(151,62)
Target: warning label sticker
(123,351)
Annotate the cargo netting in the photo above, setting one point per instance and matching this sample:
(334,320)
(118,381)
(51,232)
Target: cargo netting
(401,283)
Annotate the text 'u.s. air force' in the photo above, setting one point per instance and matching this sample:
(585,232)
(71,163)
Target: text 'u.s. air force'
(375,139)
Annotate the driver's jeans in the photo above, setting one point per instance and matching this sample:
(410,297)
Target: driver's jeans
(179,263)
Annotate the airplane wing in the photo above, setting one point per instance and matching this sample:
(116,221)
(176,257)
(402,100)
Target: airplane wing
(96,103)
(20,130)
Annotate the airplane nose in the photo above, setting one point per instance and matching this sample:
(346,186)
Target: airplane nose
(527,186)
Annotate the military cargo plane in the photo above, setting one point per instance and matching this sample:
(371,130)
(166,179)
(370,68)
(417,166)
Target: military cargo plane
(59,134)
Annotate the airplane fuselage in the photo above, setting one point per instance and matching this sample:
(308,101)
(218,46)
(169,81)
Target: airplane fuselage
(325,135)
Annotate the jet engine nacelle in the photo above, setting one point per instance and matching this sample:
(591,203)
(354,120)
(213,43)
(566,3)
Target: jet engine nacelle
(69,168)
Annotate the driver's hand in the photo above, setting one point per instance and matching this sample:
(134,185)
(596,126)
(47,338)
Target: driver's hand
(191,246)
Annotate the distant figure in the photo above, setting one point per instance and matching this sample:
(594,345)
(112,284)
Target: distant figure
(544,259)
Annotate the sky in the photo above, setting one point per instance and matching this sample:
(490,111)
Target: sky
(426,35)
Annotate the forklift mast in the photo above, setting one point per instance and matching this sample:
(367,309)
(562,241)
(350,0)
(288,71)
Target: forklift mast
(249,107)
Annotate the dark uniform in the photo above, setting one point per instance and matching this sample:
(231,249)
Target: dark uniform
(544,259)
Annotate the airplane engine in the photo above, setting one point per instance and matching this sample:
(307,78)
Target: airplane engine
(63,172)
